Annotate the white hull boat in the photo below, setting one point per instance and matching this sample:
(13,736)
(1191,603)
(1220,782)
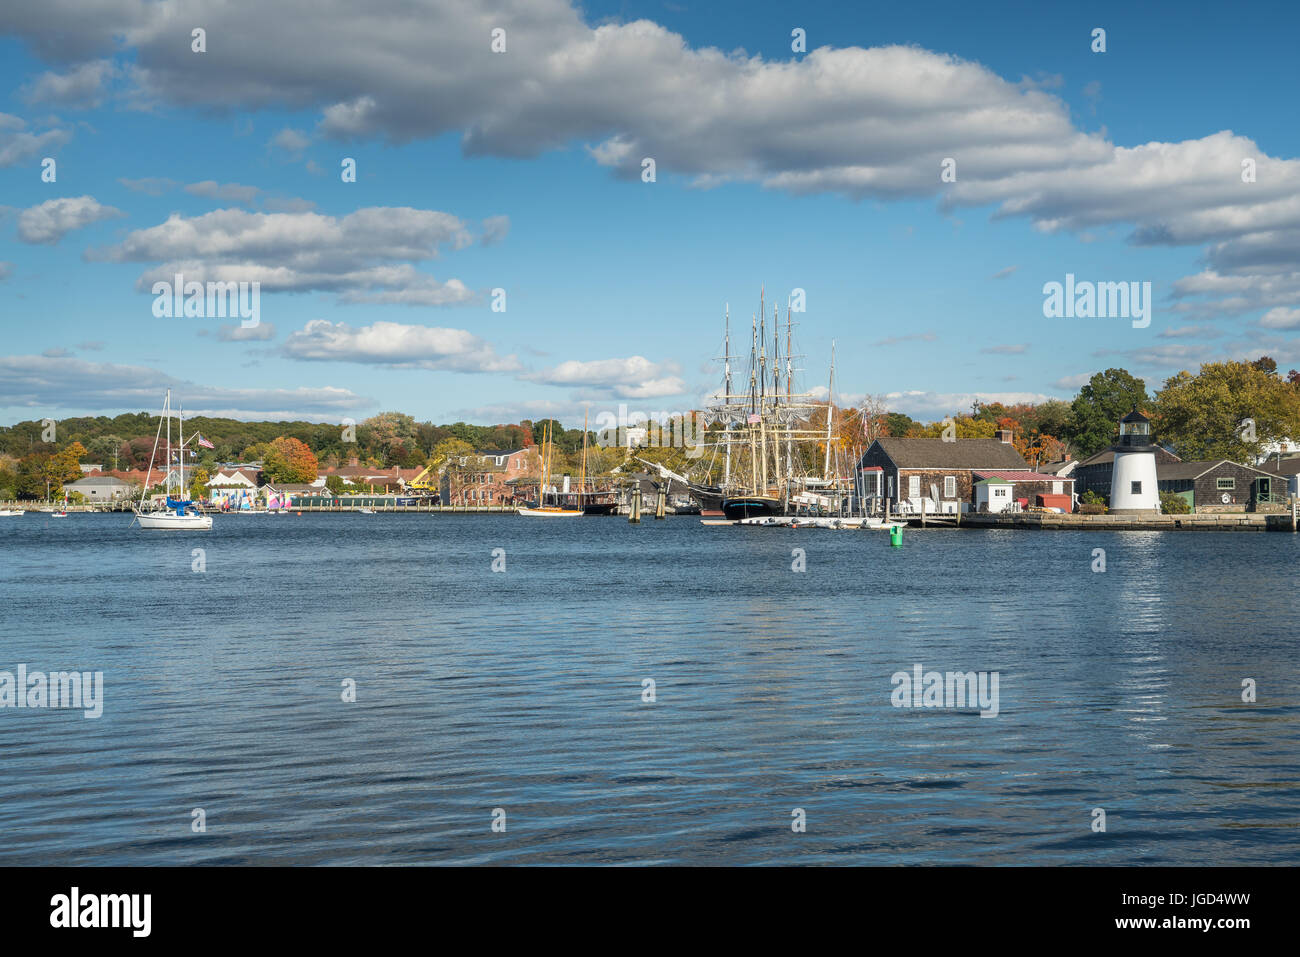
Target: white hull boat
(12,512)
(190,520)
(550,512)
(179,513)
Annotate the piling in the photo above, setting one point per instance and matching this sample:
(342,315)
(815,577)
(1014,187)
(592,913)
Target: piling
(661,501)
(634,517)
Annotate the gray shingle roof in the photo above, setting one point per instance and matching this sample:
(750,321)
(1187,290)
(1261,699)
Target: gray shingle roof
(961,454)
(1194,470)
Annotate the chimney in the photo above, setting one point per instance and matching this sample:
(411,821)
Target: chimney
(1003,436)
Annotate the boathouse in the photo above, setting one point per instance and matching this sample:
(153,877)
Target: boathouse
(1222,485)
(938,471)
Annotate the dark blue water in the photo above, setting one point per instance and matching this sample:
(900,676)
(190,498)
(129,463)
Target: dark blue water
(522,691)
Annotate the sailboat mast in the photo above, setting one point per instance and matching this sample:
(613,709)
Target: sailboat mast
(582,477)
(830,413)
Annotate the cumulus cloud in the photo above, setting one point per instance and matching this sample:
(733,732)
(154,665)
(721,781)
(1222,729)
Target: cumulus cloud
(364,256)
(61,383)
(19,146)
(396,345)
(82,87)
(1281,318)
(635,377)
(55,218)
(873,122)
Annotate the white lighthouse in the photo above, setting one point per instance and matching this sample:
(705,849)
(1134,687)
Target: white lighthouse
(1133,476)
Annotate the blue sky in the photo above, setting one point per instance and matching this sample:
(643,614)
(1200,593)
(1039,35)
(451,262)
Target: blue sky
(520,170)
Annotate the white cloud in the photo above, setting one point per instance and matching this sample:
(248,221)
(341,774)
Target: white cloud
(82,87)
(363,256)
(398,346)
(1073,383)
(635,377)
(53,219)
(1010,349)
(1281,318)
(57,383)
(291,141)
(18,146)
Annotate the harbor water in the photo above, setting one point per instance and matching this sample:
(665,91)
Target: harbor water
(662,693)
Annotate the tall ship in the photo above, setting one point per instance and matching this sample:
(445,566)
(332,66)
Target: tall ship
(769,457)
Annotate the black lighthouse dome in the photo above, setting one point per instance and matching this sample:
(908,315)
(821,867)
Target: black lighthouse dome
(1134,433)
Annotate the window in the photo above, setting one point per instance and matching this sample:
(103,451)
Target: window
(914,486)
(1000,491)
(1058,488)
(1225,483)
(950,486)
(1135,488)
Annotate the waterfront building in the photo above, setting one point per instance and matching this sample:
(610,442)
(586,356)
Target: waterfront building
(1222,485)
(100,488)
(1133,482)
(934,473)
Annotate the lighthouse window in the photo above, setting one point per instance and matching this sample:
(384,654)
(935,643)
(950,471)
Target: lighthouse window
(1136,488)
(1225,483)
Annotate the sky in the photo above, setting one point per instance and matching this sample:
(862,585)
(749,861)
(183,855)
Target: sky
(501,255)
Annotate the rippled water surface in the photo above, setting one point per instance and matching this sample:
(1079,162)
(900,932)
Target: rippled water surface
(522,690)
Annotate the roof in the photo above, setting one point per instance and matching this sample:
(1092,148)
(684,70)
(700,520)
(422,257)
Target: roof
(959,454)
(96,480)
(994,481)
(1135,416)
(1022,476)
(1194,470)
(1056,468)
(1107,455)
(1285,467)
(499,452)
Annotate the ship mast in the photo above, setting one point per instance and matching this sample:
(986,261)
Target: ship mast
(830,414)
(726,393)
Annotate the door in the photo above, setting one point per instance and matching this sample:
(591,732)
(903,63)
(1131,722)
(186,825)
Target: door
(914,486)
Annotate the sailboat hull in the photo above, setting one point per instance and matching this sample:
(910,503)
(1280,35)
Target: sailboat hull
(550,512)
(173,521)
(751,506)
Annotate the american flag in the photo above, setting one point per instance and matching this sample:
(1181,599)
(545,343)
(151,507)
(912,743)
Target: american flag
(205,443)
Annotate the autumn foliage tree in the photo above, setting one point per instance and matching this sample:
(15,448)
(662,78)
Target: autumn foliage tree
(290,461)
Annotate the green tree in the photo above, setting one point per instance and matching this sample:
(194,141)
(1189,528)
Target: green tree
(1227,410)
(1097,409)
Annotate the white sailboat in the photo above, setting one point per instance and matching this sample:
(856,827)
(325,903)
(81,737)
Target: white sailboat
(178,513)
(542,510)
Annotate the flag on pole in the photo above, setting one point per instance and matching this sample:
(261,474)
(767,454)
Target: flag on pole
(205,443)
(755,419)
